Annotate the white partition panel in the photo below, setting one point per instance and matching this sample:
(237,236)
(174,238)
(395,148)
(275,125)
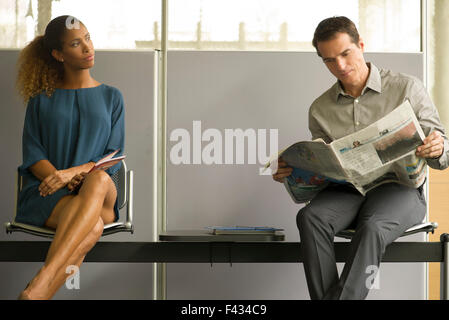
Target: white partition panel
(132,73)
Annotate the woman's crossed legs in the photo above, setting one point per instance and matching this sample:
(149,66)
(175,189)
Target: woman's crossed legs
(79,221)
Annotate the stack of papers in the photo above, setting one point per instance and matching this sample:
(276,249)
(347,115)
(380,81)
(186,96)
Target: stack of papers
(242,230)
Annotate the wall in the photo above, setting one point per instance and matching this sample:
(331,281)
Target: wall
(438,204)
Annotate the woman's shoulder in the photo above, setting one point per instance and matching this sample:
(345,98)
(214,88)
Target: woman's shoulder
(39,99)
(111,90)
(113,94)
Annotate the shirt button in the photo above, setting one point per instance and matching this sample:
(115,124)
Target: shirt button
(356,100)
(357,123)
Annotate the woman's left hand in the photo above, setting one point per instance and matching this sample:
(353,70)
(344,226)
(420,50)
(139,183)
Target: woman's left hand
(55,181)
(76,181)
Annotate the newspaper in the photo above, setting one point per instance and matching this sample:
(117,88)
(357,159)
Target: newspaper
(380,153)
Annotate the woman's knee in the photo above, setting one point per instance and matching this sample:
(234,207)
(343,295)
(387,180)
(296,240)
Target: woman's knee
(99,176)
(97,181)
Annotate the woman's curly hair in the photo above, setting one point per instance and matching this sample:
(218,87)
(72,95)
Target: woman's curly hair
(38,70)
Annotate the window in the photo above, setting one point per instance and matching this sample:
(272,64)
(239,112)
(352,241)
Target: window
(385,25)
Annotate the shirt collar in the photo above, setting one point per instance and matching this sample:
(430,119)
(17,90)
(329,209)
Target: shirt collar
(374,83)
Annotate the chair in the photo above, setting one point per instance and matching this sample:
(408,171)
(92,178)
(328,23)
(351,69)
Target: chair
(123,180)
(421,227)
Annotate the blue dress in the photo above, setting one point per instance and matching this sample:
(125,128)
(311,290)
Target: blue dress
(71,128)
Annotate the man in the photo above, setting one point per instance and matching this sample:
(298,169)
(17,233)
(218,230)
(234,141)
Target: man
(362,95)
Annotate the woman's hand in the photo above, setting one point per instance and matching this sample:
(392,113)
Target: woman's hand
(55,181)
(76,181)
(51,179)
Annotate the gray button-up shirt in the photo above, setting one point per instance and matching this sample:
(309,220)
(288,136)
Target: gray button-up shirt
(336,114)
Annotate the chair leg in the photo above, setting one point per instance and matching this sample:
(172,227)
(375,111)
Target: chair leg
(444,274)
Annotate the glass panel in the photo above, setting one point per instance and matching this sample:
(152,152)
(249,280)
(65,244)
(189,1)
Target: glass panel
(16,23)
(385,25)
(437,48)
(117,24)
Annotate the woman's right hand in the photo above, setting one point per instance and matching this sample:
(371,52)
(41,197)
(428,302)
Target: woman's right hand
(55,181)
(283,171)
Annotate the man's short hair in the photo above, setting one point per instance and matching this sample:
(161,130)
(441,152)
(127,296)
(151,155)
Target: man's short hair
(328,28)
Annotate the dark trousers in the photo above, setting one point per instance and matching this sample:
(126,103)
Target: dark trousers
(379,217)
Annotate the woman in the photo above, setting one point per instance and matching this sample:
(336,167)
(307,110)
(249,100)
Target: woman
(71,122)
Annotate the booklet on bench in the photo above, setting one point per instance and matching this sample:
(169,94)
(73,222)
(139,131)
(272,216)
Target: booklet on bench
(242,230)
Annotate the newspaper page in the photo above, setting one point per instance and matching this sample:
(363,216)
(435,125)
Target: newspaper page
(380,153)
(314,165)
(371,156)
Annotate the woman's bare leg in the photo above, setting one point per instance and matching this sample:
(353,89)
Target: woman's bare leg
(75,221)
(76,259)
(78,256)
(96,198)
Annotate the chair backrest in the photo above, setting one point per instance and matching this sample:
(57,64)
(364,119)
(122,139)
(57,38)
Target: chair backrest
(18,187)
(120,181)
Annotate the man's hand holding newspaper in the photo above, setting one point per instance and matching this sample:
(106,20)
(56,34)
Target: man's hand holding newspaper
(433,146)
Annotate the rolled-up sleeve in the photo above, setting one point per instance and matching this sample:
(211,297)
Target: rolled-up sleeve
(429,120)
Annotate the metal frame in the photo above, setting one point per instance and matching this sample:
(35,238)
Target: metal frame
(444,267)
(160,152)
(421,227)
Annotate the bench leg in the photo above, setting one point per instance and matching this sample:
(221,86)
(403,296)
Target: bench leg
(444,272)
